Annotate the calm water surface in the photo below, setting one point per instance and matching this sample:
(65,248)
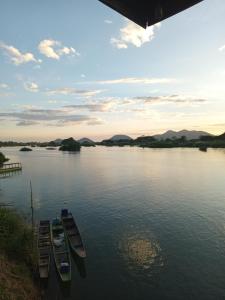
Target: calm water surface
(153,221)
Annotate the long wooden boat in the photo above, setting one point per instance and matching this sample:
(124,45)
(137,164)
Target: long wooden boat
(61,250)
(44,248)
(73,233)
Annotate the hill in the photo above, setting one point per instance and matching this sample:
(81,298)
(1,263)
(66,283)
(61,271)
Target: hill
(120,137)
(222,136)
(189,134)
(85,140)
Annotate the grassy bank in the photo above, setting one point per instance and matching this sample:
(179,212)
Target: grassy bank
(17,258)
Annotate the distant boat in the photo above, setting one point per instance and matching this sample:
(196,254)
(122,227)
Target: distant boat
(44,249)
(25,149)
(61,250)
(73,233)
(50,148)
(203,148)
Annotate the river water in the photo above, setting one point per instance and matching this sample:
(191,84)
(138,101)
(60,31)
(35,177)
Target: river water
(152,220)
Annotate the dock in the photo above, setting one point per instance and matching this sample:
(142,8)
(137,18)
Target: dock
(6,168)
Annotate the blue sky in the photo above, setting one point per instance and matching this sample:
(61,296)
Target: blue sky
(77,68)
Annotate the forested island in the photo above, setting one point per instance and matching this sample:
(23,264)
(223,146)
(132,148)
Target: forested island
(70,145)
(170,139)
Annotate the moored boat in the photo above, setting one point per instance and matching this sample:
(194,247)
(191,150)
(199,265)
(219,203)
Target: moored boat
(61,250)
(44,248)
(203,148)
(73,233)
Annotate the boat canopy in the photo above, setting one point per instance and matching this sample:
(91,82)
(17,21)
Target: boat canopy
(149,12)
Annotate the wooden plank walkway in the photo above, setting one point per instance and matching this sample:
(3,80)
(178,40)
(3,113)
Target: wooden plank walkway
(10,168)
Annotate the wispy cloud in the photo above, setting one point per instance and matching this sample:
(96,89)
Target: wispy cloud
(105,106)
(222,48)
(133,34)
(177,99)
(54,49)
(74,91)
(26,123)
(16,56)
(108,21)
(4,86)
(137,80)
(31,87)
(47,117)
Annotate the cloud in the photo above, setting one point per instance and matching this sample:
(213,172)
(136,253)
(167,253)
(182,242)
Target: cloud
(26,123)
(218,124)
(54,49)
(136,80)
(52,101)
(222,48)
(108,21)
(48,117)
(177,99)
(31,87)
(95,122)
(105,106)
(73,91)
(135,35)
(4,86)
(16,57)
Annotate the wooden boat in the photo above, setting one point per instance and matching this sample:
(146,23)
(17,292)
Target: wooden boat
(61,250)
(73,233)
(44,248)
(203,148)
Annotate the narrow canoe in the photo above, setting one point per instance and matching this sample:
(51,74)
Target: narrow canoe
(44,248)
(73,233)
(61,250)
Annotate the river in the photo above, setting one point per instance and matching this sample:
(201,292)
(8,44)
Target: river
(152,220)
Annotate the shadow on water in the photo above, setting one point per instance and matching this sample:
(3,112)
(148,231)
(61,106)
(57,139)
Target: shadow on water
(65,288)
(80,264)
(54,288)
(10,174)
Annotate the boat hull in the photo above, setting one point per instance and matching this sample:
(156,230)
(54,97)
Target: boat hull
(44,249)
(73,234)
(61,251)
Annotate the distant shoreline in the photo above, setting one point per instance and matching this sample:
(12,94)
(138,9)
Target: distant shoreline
(189,139)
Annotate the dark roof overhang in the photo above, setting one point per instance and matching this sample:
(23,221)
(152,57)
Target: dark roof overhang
(148,12)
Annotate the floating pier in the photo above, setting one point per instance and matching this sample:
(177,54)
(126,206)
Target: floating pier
(6,168)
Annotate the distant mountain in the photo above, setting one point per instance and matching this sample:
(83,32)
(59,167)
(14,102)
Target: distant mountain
(190,135)
(85,140)
(120,137)
(221,137)
(57,142)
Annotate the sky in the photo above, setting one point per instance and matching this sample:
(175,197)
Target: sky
(77,68)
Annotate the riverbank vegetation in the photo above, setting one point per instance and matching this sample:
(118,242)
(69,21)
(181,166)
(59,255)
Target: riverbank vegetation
(17,258)
(2,159)
(152,142)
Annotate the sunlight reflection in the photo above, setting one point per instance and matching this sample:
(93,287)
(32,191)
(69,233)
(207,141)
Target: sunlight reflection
(142,253)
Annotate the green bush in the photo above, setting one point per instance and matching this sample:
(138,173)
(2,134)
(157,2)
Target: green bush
(2,158)
(16,239)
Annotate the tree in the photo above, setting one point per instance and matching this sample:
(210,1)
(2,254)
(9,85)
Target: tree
(2,158)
